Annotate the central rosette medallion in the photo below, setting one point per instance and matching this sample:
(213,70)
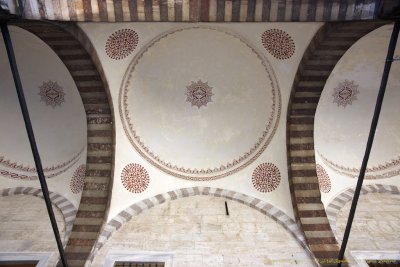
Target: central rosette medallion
(229,128)
(199,93)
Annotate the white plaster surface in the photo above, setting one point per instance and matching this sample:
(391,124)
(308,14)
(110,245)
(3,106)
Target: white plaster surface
(60,132)
(199,233)
(25,227)
(206,137)
(240,181)
(341,133)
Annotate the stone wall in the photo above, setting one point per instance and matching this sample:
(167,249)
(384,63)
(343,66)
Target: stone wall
(376,223)
(25,226)
(199,233)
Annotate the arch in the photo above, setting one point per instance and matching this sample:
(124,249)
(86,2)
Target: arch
(317,63)
(334,207)
(265,208)
(67,209)
(74,49)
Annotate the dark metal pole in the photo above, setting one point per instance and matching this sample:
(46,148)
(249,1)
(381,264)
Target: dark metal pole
(21,7)
(29,130)
(374,123)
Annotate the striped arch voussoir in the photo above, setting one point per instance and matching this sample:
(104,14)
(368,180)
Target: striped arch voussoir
(135,209)
(67,209)
(339,201)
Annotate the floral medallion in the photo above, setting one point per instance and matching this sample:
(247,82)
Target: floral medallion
(52,94)
(266,177)
(345,93)
(323,179)
(199,94)
(77,181)
(121,43)
(135,178)
(278,43)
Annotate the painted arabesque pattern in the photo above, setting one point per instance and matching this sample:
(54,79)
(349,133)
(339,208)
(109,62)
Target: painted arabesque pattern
(213,172)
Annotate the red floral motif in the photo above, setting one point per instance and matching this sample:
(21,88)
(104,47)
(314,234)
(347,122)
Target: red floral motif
(135,178)
(345,93)
(213,172)
(323,179)
(278,43)
(266,177)
(77,181)
(52,94)
(121,43)
(199,94)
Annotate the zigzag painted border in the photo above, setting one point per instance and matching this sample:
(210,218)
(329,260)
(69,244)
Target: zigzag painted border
(214,172)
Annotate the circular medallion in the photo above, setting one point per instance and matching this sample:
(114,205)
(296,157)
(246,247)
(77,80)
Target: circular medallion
(77,181)
(121,43)
(55,108)
(278,43)
(346,108)
(199,94)
(135,178)
(323,179)
(345,93)
(52,94)
(266,177)
(210,113)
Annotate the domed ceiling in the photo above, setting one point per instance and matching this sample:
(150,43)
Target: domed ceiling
(199,103)
(345,111)
(55,107)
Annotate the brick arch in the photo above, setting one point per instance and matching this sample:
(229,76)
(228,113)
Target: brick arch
(67,209)
(334,207)
(265,208)
(328,45)
(76,52)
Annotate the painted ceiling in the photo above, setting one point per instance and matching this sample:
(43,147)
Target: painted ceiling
(200,105)
(57,116)
(344,116)
(206,109)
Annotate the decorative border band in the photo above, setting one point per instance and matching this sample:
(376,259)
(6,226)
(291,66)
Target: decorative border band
(354,172)
(210,173)
(14,175)
(29,169)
